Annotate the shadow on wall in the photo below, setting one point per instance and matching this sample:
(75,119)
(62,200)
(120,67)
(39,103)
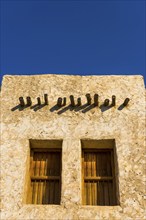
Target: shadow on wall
(73,106)
(83,108)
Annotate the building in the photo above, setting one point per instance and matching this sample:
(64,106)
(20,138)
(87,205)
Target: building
(72,147)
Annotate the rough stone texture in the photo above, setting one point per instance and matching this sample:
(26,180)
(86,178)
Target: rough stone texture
(126,126)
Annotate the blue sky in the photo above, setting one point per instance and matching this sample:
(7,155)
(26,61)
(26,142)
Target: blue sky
(73,37)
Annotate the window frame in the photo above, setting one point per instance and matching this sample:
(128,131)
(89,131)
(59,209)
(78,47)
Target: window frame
(91,146)
(42,146)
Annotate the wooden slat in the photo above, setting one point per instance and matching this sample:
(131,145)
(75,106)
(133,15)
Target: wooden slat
(41,192)
(104,157)
(58,165)
(109,168)
(85,164)
(93,173)
(32,198)
(44,192)
(93,165)
(88,193)
(95,193)
(41,173)
(106,197)
(46,165)
(37,164)
(101,191)
(32,165)
(111,193)
(97,165)
(89,164)
(100,164)
(47,192)
(56,193)
(50,165)
(92,193)
(50,192)
(38,194)
(56,161)
(86,157)
(88,173)
(98,193)
(35,191)
(54,167)
(108,192)
(98,178)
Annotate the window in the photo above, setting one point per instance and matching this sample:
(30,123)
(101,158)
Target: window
(98,173)
(45,174)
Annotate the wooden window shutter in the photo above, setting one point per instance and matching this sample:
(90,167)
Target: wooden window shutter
(45,171)
(98,177)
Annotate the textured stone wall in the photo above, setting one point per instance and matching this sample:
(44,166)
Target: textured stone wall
(125,125)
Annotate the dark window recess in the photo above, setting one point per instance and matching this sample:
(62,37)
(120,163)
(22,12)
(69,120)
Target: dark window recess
(98,177)
(45,169)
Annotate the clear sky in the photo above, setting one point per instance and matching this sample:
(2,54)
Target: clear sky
(73,37)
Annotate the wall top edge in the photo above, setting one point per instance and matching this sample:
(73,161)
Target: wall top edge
(73,75)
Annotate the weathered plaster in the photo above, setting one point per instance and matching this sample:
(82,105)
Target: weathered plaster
(126,126)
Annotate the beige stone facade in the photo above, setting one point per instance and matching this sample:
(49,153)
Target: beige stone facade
(126,125)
